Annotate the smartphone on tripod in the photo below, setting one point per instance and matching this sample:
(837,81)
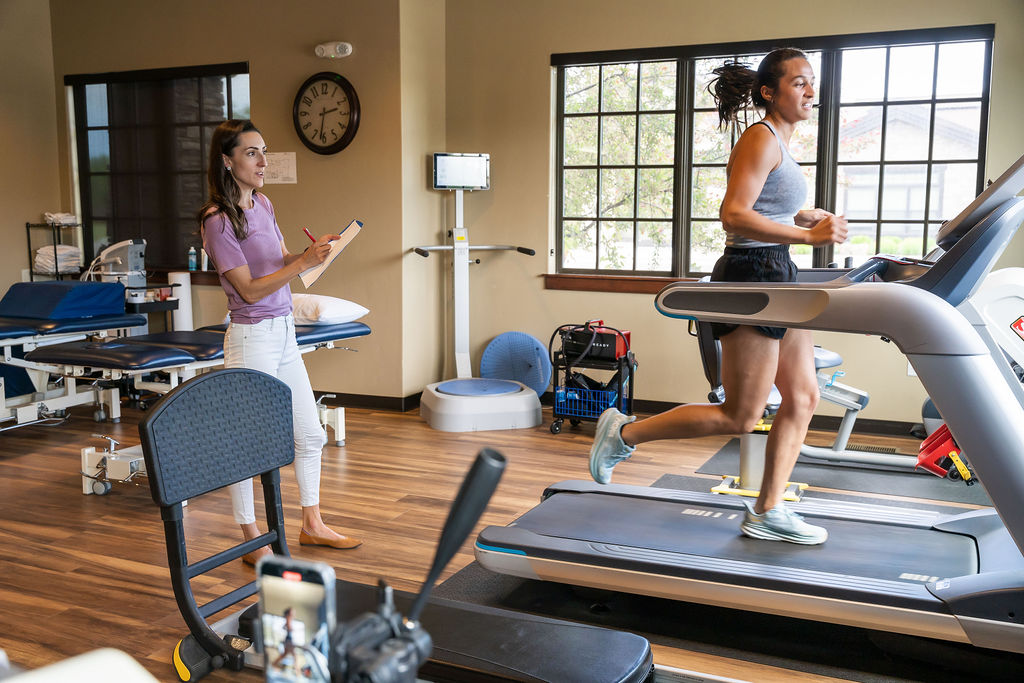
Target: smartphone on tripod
(297,616)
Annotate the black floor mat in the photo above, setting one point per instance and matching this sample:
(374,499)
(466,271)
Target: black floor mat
(824,649)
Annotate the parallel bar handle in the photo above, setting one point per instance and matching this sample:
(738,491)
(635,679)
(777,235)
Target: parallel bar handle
(502,247)
(425,251)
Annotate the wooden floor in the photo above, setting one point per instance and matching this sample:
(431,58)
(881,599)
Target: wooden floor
(81,572)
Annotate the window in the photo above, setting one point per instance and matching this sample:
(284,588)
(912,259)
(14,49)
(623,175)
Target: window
(896,144)
(142,140)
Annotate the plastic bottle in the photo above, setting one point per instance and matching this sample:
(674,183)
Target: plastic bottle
(191,258)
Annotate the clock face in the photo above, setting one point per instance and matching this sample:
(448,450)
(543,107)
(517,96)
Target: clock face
(326,113)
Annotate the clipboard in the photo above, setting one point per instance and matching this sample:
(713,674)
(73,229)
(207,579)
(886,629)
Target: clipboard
(313,274)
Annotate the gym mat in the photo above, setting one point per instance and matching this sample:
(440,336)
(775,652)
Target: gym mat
(866,479)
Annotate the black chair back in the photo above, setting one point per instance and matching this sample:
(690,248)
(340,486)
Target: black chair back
(217,429)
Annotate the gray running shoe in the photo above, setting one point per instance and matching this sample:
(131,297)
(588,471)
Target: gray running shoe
(609,449)
(781,524)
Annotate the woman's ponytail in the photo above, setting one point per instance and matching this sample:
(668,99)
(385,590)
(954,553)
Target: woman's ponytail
(736,85)
(731,89)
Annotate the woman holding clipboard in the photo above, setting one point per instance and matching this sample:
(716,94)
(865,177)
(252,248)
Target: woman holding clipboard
(244,242)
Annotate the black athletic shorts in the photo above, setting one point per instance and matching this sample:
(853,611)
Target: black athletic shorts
(754,264)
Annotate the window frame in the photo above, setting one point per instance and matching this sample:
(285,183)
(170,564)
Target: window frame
(826,162)
(77,84)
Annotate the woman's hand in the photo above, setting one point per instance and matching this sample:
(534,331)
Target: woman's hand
(807,218)
(830,229)
(317,252)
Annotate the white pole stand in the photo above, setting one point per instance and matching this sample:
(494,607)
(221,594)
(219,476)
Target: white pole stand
(748,483)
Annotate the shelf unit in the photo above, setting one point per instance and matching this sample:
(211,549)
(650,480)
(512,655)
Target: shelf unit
(57,237)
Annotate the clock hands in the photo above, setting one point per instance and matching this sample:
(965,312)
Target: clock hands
(323,113)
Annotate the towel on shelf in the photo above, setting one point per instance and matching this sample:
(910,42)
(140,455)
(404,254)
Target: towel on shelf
(62,258)
(58,218)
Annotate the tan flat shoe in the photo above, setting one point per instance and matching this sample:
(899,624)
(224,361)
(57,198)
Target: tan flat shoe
(342,543)
(252,558)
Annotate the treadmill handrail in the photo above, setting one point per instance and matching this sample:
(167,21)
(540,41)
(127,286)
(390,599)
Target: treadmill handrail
(915,320)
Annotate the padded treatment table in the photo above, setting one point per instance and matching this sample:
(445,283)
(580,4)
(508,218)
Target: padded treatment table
(35,315)
(179,355)
(172,352)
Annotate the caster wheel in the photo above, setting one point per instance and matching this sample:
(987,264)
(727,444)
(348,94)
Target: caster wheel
(575,422)
(556,427)
(99,415)
(142,405)
(101,487)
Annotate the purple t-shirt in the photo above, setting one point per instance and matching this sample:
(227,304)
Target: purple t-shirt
(260,250)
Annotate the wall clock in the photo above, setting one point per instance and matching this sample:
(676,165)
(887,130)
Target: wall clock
(326,113)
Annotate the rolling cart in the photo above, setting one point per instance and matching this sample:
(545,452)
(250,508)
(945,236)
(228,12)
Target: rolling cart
(590,346)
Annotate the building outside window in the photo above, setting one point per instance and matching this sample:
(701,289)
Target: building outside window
(896,144)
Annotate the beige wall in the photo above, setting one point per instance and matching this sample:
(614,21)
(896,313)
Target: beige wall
(499,101)
(29,180)
(424,291)
(457,75)
(362,181)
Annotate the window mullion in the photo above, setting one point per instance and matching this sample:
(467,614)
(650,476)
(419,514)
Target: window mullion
(560,165)
(683,167)
(600,149)
(983,131)
(881,160)
(636,163)
(826,174)
(931,151)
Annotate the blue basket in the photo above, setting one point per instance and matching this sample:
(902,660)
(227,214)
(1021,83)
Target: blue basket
(573,402)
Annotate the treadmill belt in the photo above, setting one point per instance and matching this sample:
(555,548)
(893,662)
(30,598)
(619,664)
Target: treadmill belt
(877,551)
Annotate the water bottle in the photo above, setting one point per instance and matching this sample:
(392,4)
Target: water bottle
(191,258)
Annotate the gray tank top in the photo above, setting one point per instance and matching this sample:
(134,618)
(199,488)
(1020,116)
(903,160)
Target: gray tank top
(783,195)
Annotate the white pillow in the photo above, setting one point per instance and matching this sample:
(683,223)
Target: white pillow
(315,309)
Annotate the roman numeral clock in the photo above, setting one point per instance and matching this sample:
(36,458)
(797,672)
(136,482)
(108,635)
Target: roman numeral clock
(326,113)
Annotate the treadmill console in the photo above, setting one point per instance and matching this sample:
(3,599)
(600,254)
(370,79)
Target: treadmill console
(886,268)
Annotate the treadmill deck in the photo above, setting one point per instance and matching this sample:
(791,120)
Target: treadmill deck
(696,536)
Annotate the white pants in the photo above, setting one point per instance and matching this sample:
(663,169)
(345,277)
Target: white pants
(269,346)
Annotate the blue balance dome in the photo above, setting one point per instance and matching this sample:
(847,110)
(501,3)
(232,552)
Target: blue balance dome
(478,387)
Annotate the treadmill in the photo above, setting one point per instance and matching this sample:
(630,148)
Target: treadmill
(956,577)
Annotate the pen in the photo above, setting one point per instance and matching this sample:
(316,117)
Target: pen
(309,234)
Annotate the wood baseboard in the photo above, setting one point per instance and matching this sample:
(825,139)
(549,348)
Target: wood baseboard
(822,422)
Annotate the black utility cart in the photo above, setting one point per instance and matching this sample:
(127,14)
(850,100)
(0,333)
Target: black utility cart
(590,346)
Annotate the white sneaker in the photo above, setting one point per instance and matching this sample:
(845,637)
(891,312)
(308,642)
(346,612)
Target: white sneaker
(781,524)
(609,449)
